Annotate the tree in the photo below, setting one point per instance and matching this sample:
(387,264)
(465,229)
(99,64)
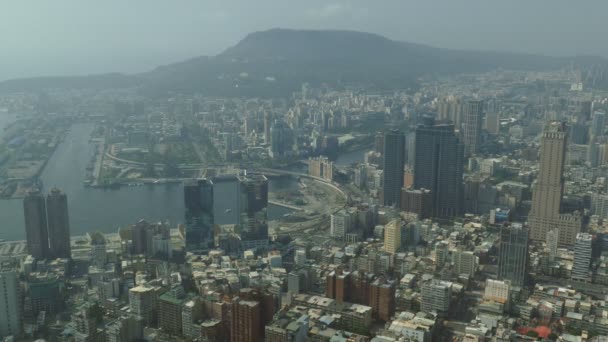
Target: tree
(532,333)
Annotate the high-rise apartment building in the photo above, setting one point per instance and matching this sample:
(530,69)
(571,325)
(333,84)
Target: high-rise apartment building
(417,201)
(246,321)
(340,224)
(436,297)
(321,167)
(382,298)
(198,200)
(582,257)
(143,302)
(513,253)
(34,209)
(394,152)
(170,306)
(599,205)
(10,304)
(438,167)
(58,224)
(473,116)
(546,213)
(442,253)
(392,236)
(465,262)
(299,258)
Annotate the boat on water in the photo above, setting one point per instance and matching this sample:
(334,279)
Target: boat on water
(228,211)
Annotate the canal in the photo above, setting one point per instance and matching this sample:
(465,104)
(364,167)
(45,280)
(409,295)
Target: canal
(105,210)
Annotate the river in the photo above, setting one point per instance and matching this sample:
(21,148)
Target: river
(92,209)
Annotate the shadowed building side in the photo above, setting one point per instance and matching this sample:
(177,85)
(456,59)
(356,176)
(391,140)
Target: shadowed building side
(58,224)
(34,209)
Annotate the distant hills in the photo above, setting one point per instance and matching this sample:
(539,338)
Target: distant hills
(278,61)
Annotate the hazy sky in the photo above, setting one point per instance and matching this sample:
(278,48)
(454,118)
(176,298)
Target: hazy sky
(59,37)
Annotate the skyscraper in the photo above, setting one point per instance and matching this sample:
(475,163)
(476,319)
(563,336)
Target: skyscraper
(545,213)
(438,167)
(58,224)
(10,304)
(513,253)
(198,200)
(473,116)
(394,151)
(598,122)
(34,209)
(252,205)
(266,128)
(582,257)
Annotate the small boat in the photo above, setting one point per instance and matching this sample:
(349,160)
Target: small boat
(228,211)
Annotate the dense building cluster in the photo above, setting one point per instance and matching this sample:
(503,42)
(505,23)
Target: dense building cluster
(476,210)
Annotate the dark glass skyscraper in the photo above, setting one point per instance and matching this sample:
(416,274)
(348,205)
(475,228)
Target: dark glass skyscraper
(198,200)
(438,167)
(34,210)
(394,152)
(513,253)
(473,115)
(281,143)
(58,224)
(253,204)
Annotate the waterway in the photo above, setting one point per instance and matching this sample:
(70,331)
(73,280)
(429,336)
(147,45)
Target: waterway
(105,210)
(346,159)
(343,160)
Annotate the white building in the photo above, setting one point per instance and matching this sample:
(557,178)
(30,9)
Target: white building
(143,301)
(300,257)
(341,223)
(392,236)
(599,205)
(552,243)
(465,263)
(436,297)
(497,291)
(582,257)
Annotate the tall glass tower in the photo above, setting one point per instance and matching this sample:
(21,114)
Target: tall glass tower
(438,167)
(198,199)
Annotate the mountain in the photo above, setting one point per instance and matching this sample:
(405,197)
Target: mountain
(278,61)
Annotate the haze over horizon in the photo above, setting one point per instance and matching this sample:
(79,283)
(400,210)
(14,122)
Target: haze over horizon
(70,37)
